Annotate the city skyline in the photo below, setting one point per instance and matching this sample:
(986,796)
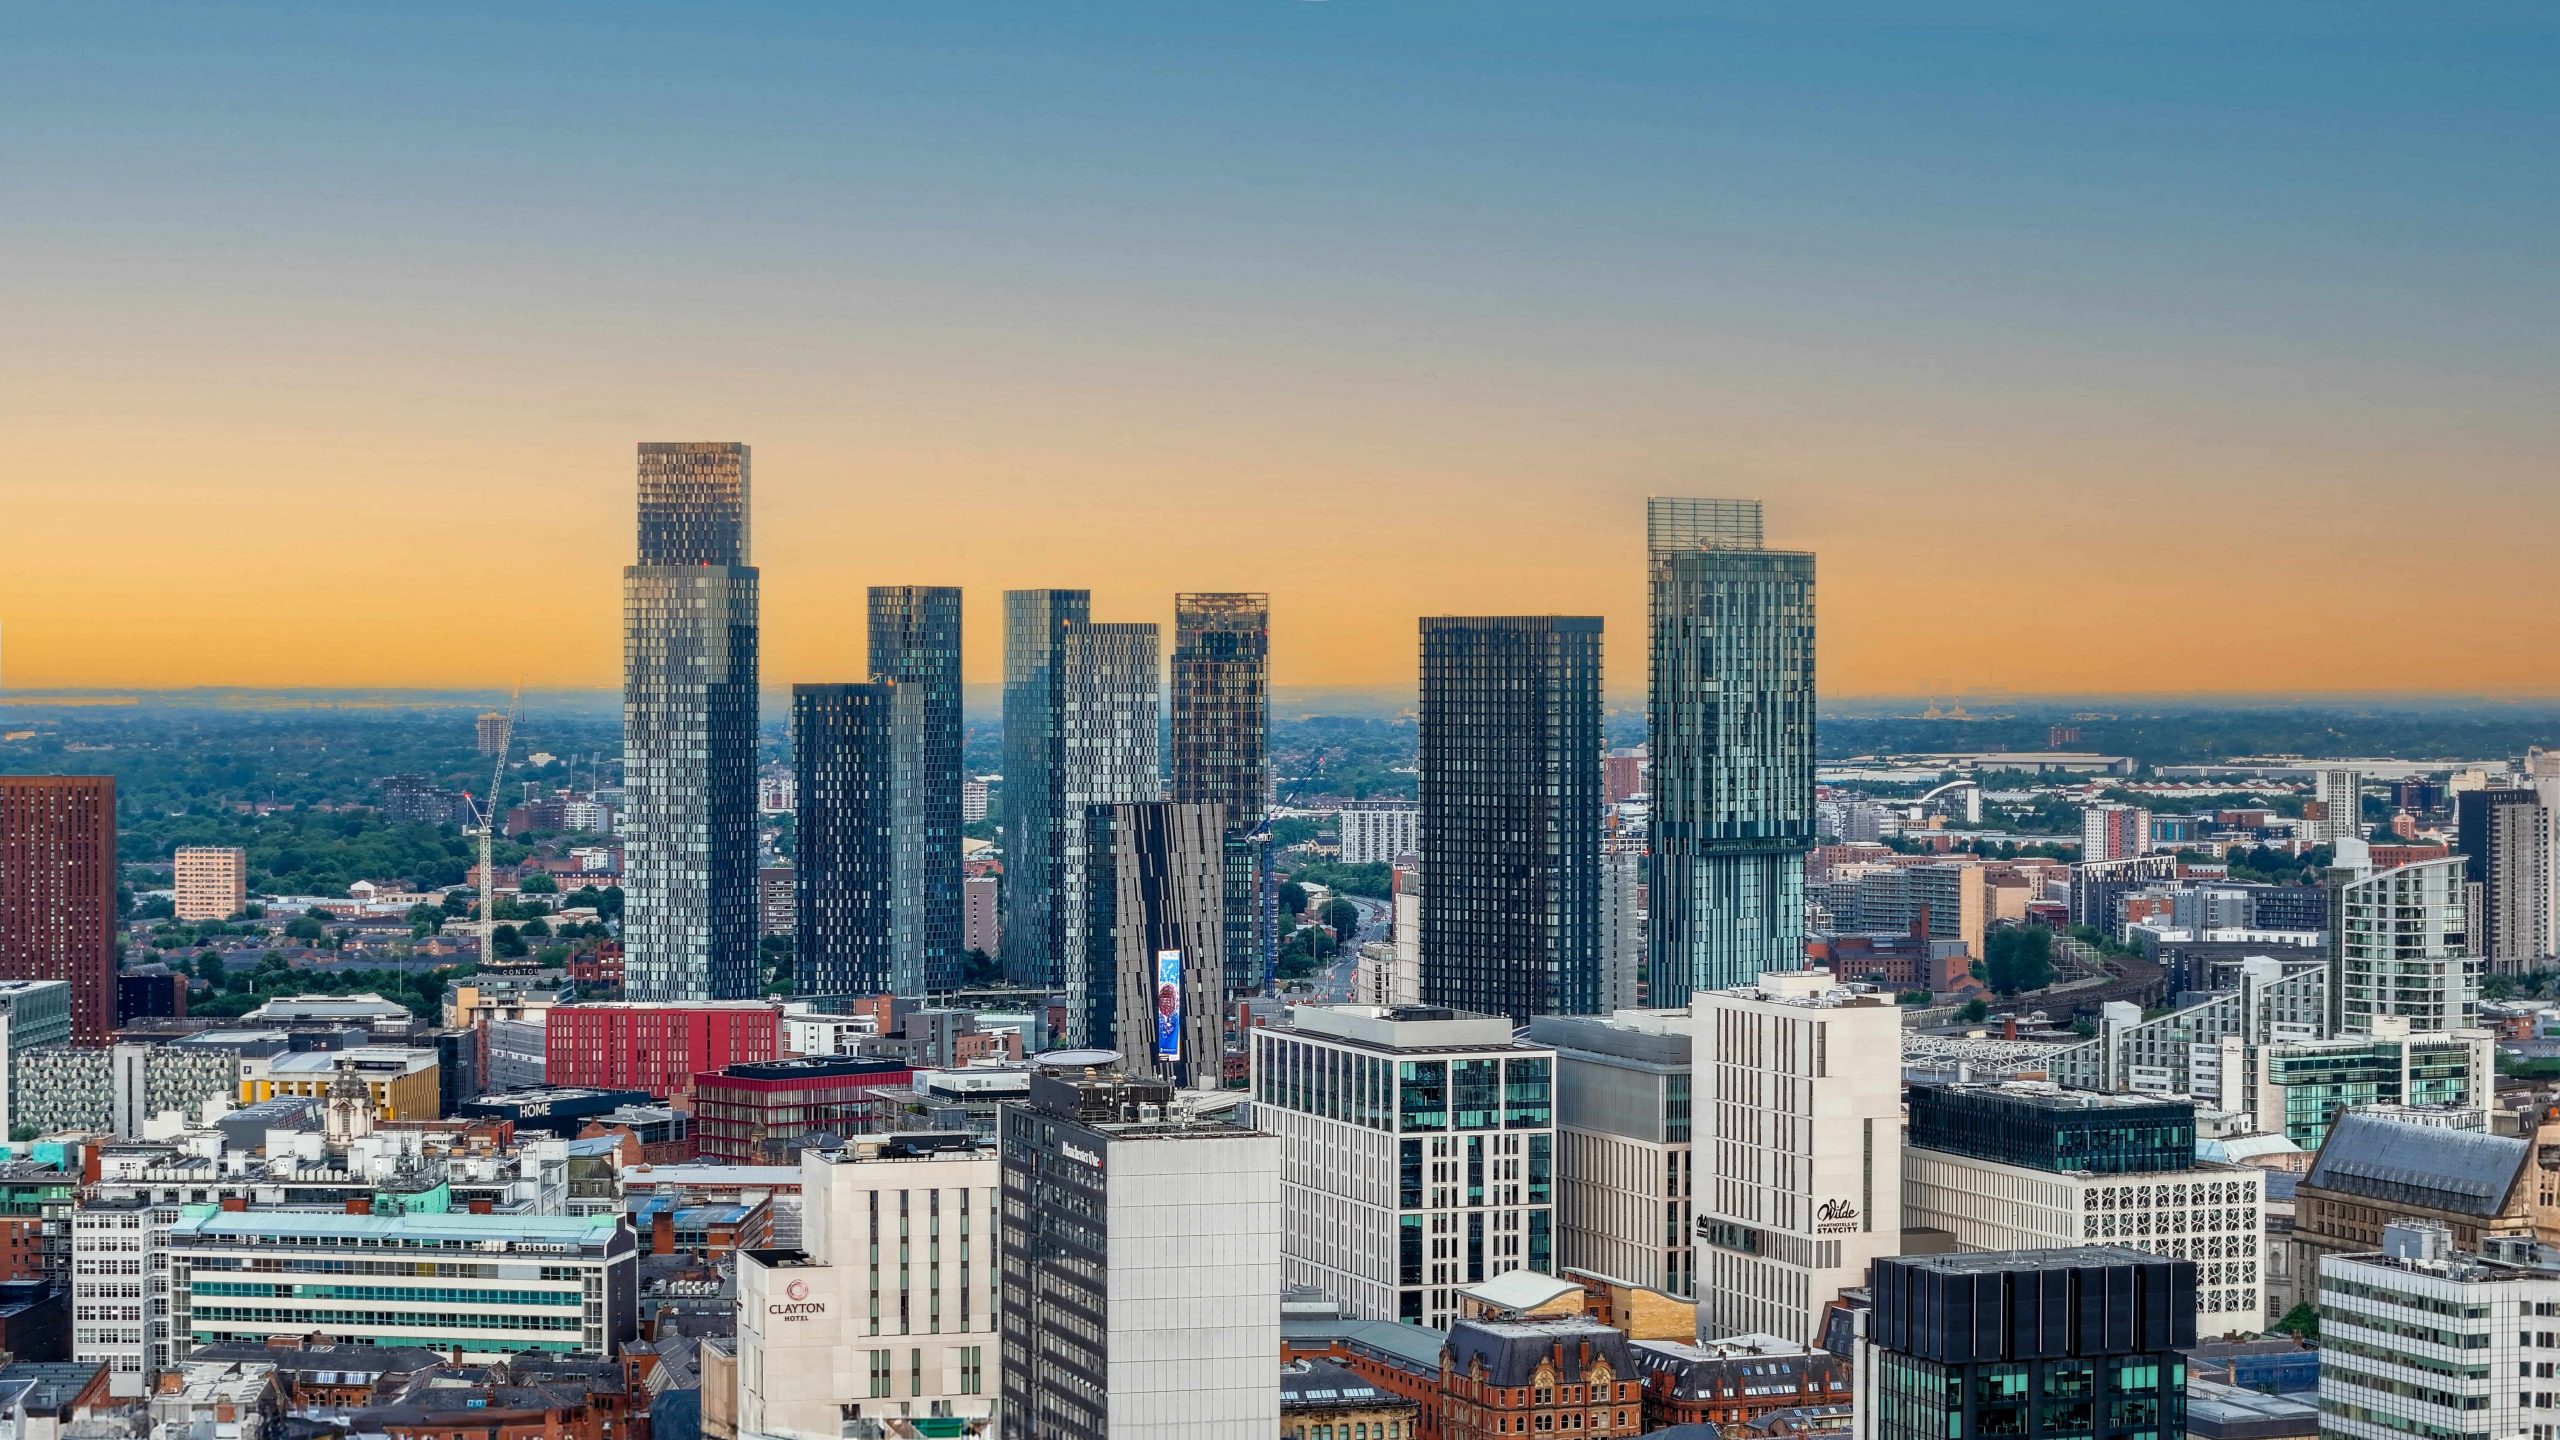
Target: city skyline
(1996,291)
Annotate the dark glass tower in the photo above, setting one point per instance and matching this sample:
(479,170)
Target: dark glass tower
(1221,735)
(1157,890)
(1511,806)
(689,729)
(2080,1344)
(1732,742)
(1035,818)
(915,642)
(859,885)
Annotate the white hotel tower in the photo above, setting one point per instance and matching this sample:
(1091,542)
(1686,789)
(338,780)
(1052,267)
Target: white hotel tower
(1797,1102)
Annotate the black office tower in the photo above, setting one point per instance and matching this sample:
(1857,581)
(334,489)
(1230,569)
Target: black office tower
(915,642)
(1511,808)
(2078,1344)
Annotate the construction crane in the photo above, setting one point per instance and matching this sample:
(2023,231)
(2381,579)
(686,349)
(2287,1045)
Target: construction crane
(488,812)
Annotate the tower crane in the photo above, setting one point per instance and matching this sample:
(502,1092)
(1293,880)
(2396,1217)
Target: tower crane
(488,926)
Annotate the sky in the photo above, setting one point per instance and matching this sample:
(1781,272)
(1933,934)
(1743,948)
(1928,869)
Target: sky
(2097,347)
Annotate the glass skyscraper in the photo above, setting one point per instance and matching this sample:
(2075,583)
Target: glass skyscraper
(859,887)
(1511,806)
(1108,711)
(689,636)
(1035,814)
(1732,743)
(915,643)
(1221,735)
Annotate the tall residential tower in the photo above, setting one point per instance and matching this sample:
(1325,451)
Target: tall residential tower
(1221,735)
(1035,818)
(1510,748)
(1732,746)
(915,643)
(689,728)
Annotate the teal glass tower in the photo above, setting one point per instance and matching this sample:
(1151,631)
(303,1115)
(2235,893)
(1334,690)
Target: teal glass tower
(1731,711)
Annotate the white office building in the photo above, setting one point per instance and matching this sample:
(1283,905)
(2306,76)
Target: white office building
(887,1311)
(1417,1153)
(1625,1185)
(2032,1167)
(1375,834)
(1798,1101)
(2418,1339)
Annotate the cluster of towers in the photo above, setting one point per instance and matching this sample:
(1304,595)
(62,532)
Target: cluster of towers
(1140,884)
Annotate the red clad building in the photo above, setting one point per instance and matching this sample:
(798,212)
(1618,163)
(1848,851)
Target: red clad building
(58,891)
(766,1114)
(617,1045)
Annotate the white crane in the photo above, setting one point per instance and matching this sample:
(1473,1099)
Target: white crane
(488,830)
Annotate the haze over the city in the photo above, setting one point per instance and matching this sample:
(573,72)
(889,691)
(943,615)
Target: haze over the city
(2171,347)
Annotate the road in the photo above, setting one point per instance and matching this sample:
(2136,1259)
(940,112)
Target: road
(1333,982)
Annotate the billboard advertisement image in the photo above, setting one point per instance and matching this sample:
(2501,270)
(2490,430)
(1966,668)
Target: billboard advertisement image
(1168,1004)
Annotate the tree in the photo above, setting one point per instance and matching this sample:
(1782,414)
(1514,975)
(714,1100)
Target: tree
(1342,917)
(209,967)
(156,907)
(537,884)
(2018,957)
(305,929)
(458,902)
(980,968)
(506,943)
(1293,898)
(2301,1320)
(1974,1012)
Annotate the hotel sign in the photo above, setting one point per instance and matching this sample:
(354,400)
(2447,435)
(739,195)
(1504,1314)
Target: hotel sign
(1836,1217)
(795,1307)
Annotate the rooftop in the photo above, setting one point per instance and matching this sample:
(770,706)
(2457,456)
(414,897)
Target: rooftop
(2462,1171)
(496,1231)
(1996,1262)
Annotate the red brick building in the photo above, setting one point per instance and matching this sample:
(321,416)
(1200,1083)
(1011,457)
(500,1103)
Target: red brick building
(763,1114)
(58,891)
(1508,1378)
(1732,1386)
(617,1045)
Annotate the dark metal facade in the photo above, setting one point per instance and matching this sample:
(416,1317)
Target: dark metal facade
(1510,749)
(915,641)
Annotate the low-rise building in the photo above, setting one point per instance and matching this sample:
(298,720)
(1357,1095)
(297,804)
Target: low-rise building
(2030,1167)
(1320,1399)
(1624,1174)
(1507,1378)
(485,1286)
(404,1083)
(766,1113)
(1732,1382)
(2373,1172)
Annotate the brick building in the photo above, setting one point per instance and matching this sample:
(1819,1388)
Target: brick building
(1505,1378)
(58,891)
(618,1045)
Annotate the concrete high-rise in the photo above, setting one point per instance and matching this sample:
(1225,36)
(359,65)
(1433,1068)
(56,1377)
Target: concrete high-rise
(859,885)
(1510,750)
(58,891)
(689,637)
(2504,836)
(915,643)
(211,882)
(1035,812)
(1731,712)
(1139,1290)
(2400,948)
(1108,716)
(1417,1153)
(1221,737)
(1798,1103)
(2339,791)
(1153,983)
